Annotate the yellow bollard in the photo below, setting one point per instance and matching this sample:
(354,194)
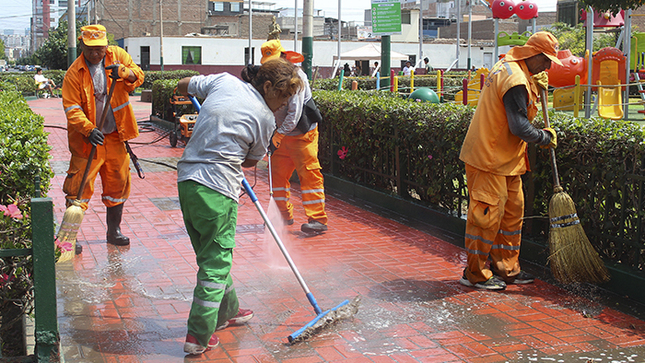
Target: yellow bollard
(412,81)
(439,88)
(396,83)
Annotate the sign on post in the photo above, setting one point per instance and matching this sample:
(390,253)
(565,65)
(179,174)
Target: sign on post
(386,17)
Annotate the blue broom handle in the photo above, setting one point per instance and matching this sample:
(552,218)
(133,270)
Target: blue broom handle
(192,99)
(268,223)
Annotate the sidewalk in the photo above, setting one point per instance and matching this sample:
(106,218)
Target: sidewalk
(130,304)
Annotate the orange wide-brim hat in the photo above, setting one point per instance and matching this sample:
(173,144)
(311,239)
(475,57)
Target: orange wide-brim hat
(540,42)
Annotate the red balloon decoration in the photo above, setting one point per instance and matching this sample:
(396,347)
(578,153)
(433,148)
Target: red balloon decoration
(503,9)
(526,10)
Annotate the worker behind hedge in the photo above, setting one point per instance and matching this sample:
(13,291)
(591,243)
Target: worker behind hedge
(85,89)
(295,149)
(495,153)
(232,131)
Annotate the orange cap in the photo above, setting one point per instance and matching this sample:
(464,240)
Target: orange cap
(273,49)
(540,42)
(94,35)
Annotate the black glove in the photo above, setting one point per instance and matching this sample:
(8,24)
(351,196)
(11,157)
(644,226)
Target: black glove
(96,137)
(276,139)
(272,147)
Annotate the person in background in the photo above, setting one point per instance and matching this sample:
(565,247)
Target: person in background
(428,67)
(232,131)
(85,89)
(495,153)
(376,69)
(407,70)
(44,82)
(295,149)
(347,71)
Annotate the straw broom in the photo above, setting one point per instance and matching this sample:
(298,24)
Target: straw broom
(74,213)
(572,257)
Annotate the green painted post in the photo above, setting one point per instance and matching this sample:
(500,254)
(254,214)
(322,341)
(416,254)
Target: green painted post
(385,61)
(47,337)
(308,53)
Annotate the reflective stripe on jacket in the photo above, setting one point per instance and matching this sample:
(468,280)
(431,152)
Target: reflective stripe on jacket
(489,144)
(80,107)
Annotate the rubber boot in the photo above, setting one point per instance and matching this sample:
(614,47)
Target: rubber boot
(114,235)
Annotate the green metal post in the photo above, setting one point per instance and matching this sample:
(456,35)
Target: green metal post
(47,336)
(308,53)
(385,61)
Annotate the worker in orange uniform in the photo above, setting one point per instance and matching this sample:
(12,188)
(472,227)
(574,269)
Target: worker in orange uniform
(495,153)
(295,149)
(85,89)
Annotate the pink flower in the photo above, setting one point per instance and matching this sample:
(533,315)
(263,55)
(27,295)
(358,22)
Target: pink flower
(12,211)
(64,246)
(342,153)
(5,278)
(430,157)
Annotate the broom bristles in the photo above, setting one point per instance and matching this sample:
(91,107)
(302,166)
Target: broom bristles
(572,258)
(344,312)
(69,229)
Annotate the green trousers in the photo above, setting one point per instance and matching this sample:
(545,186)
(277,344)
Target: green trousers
(210,220)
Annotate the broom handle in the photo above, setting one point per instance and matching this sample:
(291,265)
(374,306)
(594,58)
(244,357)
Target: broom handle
(114,75)
(554,165)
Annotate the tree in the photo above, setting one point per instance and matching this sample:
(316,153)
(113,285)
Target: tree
(53,53)
(2,55)
(612,5)
(573,38)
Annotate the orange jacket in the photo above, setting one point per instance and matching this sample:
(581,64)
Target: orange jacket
(489,144)
(80,106)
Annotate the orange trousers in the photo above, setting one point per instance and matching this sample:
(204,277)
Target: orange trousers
(112,162)
(494,226)
(299,153)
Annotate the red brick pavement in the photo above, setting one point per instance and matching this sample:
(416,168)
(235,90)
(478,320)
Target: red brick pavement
(130,304)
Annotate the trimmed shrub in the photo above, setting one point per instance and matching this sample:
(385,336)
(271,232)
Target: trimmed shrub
(24,159)
(411,150)
(152,76)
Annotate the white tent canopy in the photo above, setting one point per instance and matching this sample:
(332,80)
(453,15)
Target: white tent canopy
(370,51)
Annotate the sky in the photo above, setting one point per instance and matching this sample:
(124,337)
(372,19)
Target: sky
(15,14)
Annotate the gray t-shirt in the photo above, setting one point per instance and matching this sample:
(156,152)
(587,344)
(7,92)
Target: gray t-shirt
(234,124)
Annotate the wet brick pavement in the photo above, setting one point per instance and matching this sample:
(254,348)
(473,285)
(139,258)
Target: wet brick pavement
(130,304)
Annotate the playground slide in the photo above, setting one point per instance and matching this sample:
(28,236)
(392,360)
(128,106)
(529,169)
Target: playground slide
(609,98)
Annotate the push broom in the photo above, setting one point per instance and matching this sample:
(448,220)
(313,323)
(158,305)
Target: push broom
(74,213)
(572,257)
(323,319)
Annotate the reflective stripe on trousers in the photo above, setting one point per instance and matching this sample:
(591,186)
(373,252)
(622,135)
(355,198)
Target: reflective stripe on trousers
(494,226)
(210,220)
(112,162)
(299,153)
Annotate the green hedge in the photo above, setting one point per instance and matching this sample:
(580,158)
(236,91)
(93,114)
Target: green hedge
(25,83)
(411,150)
(24,158)
(152,76)
(452,83)
(24,152)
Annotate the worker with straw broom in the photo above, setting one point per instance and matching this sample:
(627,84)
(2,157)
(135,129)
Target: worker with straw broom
(232,131)
(495,153)
(85,93)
